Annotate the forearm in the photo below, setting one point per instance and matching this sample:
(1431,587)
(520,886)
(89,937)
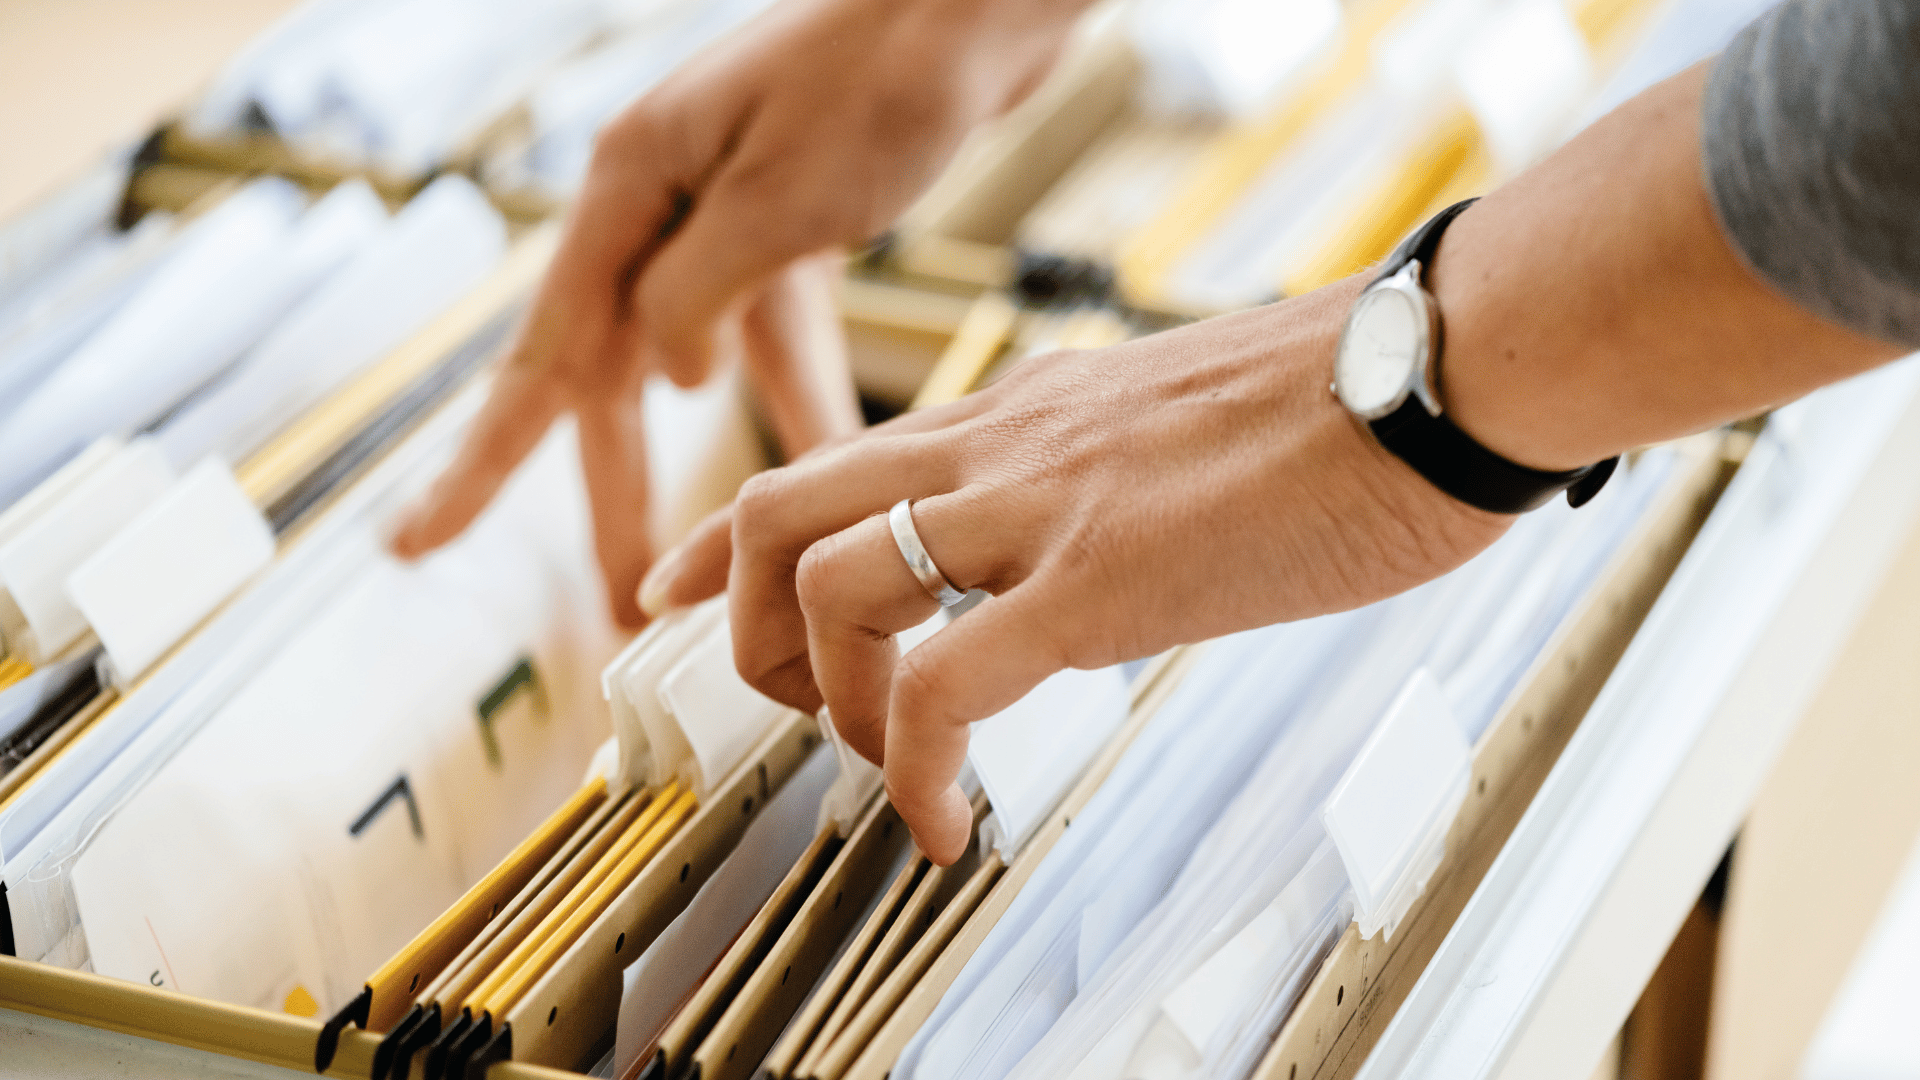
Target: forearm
(1594,303)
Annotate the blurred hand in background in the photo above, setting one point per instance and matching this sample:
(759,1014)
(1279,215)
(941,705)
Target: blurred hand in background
(706,228)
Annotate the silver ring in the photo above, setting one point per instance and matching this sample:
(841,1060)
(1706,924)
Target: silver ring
(907,539)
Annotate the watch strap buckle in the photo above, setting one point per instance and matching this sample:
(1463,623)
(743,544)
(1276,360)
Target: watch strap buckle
(1592,479)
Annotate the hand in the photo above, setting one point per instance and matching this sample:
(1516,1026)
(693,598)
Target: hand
(1116,502)
(808,131)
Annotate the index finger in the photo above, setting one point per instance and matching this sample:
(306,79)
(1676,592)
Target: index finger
(519,409)
(574,339)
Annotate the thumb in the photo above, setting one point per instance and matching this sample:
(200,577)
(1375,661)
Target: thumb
(987,660)
(694,570)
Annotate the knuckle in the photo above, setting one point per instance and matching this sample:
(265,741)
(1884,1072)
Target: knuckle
(787,679)
(909,800)
(815,579)
(759,507)
(907,108)
(628,136)
(813,212)
(686,368)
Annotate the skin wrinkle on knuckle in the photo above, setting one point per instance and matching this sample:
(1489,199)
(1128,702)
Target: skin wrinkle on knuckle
(909,802)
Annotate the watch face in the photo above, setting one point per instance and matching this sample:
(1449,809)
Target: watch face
(1379,353)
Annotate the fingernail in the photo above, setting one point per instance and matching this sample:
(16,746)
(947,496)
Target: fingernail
(653,587)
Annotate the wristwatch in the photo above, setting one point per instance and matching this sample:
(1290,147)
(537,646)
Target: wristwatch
(1387,373)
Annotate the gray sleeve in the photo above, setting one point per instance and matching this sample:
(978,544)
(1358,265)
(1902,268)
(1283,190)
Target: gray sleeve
(1810,140)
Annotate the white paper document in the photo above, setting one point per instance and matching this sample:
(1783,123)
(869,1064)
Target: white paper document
(416,728)
(232,275)
(404,273)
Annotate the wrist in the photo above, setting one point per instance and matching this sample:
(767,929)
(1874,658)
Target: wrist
(1495,382)
(1399,524)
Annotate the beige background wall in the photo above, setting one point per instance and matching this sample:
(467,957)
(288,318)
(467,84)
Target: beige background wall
(80,77)
(1823,844)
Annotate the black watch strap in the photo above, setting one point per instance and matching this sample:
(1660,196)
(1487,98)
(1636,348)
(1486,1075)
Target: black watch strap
(1457,464)
(1448,457)
(1422,242)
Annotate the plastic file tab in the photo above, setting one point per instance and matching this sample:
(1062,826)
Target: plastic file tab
(170,567)
(1027,755)
(1390,813)
(670,968)
(48,493)
(1197,1013)
(858,781)
(652,748)
(34,565)
(681,711)
(719,715)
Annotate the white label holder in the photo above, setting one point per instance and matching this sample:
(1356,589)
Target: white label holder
(171,567)
(1390,813)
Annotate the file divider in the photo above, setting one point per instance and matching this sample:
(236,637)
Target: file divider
(1000,885)
(906,926)
(445,995)
(808,1024)
(672,1055)
(567,833)
(434,950)
(934,893)
(534,956)
(854,1039)
(570,1010)
(779,981)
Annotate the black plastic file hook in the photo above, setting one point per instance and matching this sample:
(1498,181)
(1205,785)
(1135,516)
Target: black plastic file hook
(355,1013)
(499,1048)
(392,1043)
